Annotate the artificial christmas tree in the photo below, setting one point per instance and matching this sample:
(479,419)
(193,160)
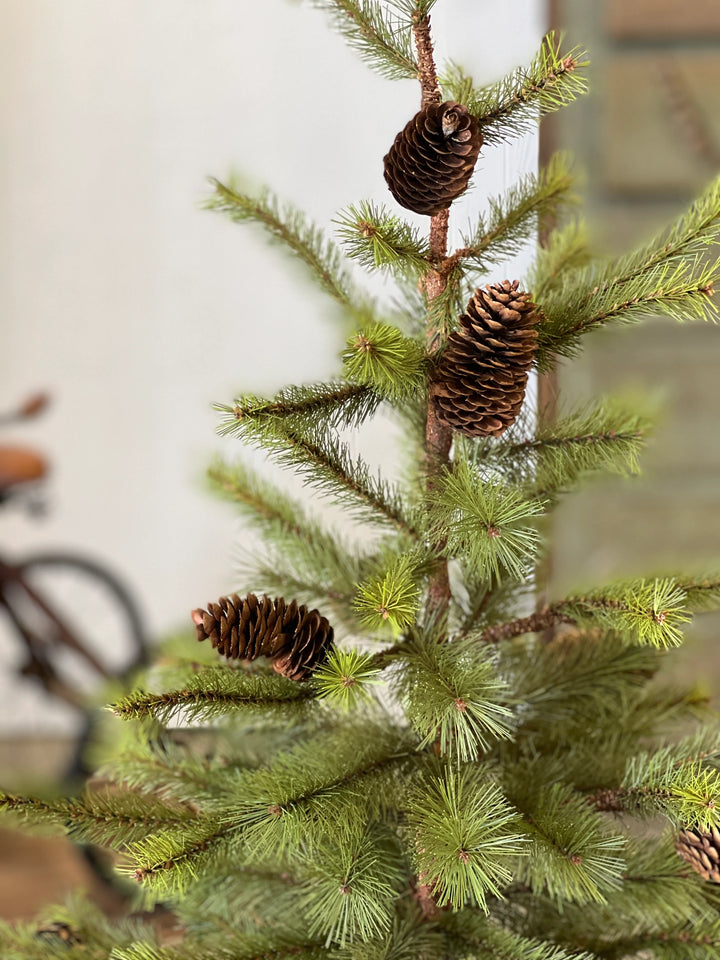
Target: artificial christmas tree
(455,769)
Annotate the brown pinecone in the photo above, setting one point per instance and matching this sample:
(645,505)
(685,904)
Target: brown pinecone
(242,628)
(432,159)
(702,852)
(479,385)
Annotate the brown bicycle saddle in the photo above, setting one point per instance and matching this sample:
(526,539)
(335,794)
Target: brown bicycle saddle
(20,465)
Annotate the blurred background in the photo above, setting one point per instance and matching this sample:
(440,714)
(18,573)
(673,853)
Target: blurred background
(135,309)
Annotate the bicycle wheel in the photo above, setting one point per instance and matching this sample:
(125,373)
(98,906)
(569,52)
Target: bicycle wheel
(73,595)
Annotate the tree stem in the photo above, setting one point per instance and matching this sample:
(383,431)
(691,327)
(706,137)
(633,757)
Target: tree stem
(438,438)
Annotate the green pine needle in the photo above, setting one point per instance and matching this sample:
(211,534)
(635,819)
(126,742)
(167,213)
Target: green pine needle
(213,691)
(646,611)
(379,239)
(565,250)
(381,38)
(463,838)
(289,226)
(351,889)
(390,598)
(344,678)
(511,107)
(381,358)
(454,695)
(488,524)
(515,217)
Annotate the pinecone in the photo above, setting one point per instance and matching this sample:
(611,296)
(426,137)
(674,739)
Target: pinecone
(702,852)
(432,159)
(294,638)
(479,385)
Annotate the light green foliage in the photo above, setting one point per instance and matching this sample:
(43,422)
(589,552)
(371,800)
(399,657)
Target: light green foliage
(351,888)
(377,238)
(671,275)
(211,692)
(345,678)
(93,935)
(107,817)
(317,454)
(390,598)
(565,249)
(332,404)
(454,696)
(607,437)
(511,107)
(297,542)
(290,227)
(490,524)
(464,837)
(327,786)
(681,781)
(572,855)
(380,357)
(579,674)
(515,217)
(645,611)
(380,35)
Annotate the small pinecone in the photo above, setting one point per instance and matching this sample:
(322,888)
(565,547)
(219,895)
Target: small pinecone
(480,381)
(432,159)
(243,628)
(702,852)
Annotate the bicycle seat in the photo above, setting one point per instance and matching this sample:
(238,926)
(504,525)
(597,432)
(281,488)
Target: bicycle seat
(20,465)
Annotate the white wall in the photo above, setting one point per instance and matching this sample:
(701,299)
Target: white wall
(135,308)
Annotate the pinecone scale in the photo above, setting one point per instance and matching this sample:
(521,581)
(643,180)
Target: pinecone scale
(244,628)
(479,385)
(702,851)
(432,159)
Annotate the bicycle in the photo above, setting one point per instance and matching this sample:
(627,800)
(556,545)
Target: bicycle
(77,622)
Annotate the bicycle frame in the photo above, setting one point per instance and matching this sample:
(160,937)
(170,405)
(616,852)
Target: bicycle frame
(38,665)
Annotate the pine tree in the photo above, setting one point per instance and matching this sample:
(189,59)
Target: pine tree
(403,754)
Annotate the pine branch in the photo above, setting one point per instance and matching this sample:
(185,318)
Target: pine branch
(702,592)
(113,818)
(643,611)
(381,38)
(511,107)
(382,359)
(351,888)
(453,696)
(390,596)
(571,855)
(345,678)
(325,463)
(273,575)
(215,691)
(565,250)
(330,404)
(167,863)
(579,674)
(474,935)
(691,235)
(301,549)
(488,524)
(608,436)
(327,787)
(288,226)
(680,781)
(463,835)
(76,927)
(681,290)
(379,239)
(514,218)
